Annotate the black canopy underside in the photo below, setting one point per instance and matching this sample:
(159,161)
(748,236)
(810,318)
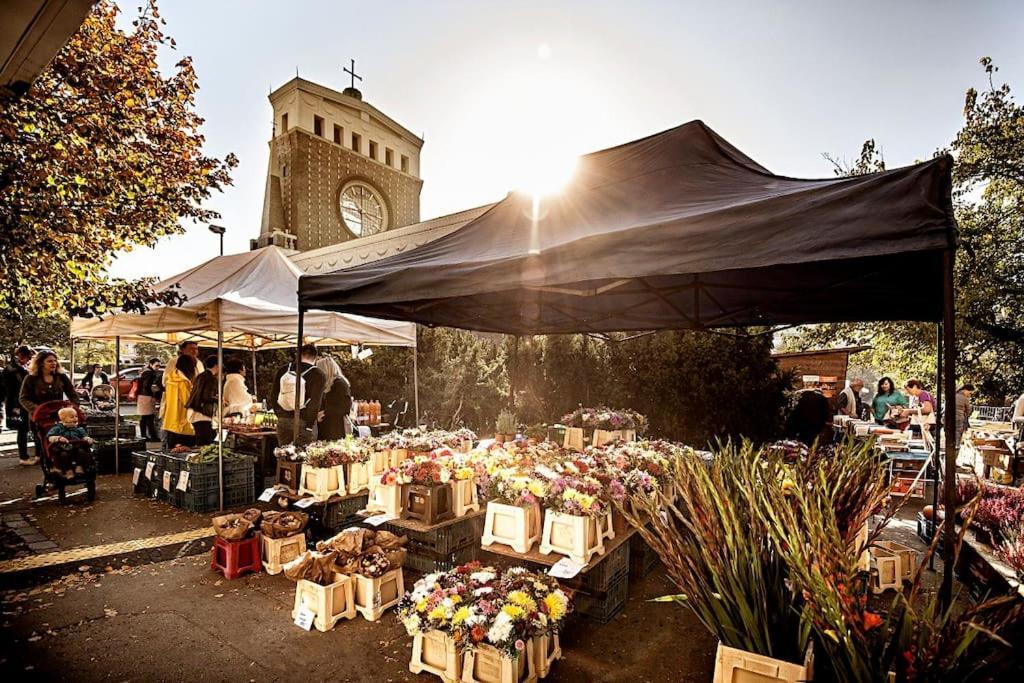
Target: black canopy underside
(678,230)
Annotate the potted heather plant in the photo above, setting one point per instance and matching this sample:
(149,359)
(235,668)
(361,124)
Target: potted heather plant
(505,427)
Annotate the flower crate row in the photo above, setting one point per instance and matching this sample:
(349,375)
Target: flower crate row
(600,426)
(476,624)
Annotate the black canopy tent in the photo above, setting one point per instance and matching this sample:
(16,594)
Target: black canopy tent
(680,230)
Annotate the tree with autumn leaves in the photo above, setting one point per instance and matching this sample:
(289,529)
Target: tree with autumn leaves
(103,154)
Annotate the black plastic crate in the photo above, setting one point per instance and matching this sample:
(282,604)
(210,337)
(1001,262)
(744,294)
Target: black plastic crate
(141,487)
(333,514)
(103,432)
(103,454)
(603,608)
(443,540)
(642,558)
(208,501)
(427,562)
(609,569)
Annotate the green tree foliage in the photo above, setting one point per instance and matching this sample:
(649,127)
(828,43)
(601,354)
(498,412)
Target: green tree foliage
(102,154)
(988,177)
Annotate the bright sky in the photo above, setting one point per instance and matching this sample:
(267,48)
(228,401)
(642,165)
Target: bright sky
(499,89)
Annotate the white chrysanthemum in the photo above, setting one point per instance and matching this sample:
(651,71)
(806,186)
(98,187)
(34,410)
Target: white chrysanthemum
(412,625)
(483,591)
(482,577)
(501,629)
(515,571)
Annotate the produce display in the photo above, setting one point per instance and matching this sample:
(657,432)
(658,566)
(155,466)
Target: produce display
(477,605)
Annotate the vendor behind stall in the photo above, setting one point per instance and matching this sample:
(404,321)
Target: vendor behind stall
(849,402)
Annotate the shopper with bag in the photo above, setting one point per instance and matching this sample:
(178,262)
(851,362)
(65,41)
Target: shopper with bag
(304,388)
(202,402)
(11,379)
(151,388)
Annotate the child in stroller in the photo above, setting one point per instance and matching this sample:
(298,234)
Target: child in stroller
(70,448)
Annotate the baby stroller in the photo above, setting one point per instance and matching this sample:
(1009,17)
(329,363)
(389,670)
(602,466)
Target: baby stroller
(102,397)
(44,417)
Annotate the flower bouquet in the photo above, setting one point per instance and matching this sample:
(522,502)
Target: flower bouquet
(576,518)
(513,511)
(426,492)
(606,425)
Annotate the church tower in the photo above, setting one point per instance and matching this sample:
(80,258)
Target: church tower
(339,169)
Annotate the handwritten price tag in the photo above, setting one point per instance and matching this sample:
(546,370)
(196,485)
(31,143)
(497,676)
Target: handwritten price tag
(135,475)
(149,469)
(304,502)
(377,520)
(565,568)
(268,494)
(183,480)
(304,619)
(167,481)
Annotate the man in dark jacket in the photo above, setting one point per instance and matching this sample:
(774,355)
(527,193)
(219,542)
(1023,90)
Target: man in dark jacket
(151,387)
(312,381)
(203,402)
(10,380)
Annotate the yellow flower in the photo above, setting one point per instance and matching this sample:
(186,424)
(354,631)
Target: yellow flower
(438,614)
(456,598)
(556,606)
(421,605)
(523,600)
(460,616)
(514,611)
(587,502)
(788,486)
(536,488)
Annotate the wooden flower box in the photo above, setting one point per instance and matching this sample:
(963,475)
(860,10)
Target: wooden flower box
(429,504)
(606,525)
(575,537)
(887,570)
(278,552)
(375,595)
(322,482)
(908,558)
(386,498)
(330,603)
(629,435)
(379,461)
(288,473)
(396,456)
(511,525)
(602,436)
(357,474)
(574,439)
(434,652)
(464,496)
(486,664)
(546,649)
(733,665)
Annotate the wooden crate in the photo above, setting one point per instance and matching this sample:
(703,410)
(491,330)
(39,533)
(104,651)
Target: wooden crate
(546,649)
(486,664)
(288,474)
(322,482)
(887,570)
(464,498)
(603,436)
(396,456)
(357,474)
(375,595)
(330,603)
(386,498)
(379,461)
(434,652)
(428,504)
(575,537)
(278,552)
(907,556)
(733,665)
(518,527)
(574,439)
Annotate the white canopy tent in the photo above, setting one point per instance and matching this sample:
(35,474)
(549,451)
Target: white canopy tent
(241,301)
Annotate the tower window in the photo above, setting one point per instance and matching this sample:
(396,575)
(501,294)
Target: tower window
(389,157)
(373,149)
(284,123)
(337,134)
(405,164)
(284,170)
(318,126)
(357,142)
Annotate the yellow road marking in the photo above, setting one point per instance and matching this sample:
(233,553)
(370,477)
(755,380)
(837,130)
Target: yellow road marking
(92,552)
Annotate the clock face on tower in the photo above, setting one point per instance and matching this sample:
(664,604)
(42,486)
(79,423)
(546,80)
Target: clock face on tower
(362,209)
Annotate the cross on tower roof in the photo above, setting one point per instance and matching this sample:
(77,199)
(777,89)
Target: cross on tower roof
(351,71)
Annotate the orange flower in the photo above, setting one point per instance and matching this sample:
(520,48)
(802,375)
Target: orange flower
(478,634)
(871,620)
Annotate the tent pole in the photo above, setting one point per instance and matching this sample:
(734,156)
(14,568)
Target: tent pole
(117,404)
(936,453)
(254,391)
(949,363)
(72,361)
(298,375)
(220,415)
(416,377)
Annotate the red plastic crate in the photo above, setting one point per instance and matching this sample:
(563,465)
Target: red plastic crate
(235,558)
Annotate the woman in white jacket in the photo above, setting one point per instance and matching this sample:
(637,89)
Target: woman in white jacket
(237,400)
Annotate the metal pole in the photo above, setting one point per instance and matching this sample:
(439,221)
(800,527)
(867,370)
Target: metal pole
(254,391)
(949,363)
(936,459)
(117,404)
(298,376)
(416,378)
(220,411)
(72,361)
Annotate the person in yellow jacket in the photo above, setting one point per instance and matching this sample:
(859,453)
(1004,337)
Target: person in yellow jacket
(177,389)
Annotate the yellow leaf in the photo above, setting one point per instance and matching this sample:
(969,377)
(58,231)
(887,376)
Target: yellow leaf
(29,128)
(59,145)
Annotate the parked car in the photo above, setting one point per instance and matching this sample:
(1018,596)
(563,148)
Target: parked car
(124,380)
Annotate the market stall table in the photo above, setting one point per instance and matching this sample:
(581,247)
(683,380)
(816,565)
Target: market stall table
(259,443)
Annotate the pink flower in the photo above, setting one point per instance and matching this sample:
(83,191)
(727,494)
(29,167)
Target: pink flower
(520,645)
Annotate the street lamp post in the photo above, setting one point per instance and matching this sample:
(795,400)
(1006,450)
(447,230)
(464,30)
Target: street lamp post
(219,230)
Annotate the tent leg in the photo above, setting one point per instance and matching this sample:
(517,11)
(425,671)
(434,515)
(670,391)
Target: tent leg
(254,391)
(117,405)
(949,362)
(72,361)
(220,417)
(298,374)
(416,380)
(936,453)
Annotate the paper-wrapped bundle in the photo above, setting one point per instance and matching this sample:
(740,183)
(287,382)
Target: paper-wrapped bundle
(232,527)
(283,524)
(316,567)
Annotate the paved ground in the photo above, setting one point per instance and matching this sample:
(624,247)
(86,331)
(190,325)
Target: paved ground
(176,619)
